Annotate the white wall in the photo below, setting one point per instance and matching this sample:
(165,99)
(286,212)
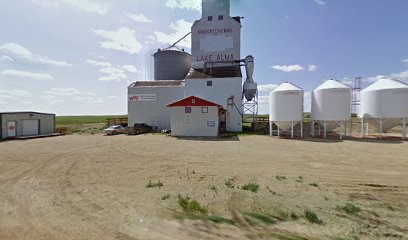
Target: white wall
(216,40)
(46,121)
(154,113)
(194,124)
(219,92)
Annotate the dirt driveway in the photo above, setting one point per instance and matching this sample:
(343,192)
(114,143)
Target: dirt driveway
(94,187)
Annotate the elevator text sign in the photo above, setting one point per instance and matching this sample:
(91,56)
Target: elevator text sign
(142,97)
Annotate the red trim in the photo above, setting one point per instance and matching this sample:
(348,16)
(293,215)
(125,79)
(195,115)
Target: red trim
(198,102)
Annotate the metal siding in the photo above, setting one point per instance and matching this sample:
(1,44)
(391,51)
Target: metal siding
(31,127)
(154,113)
(46,122)
(171,65)
(209,45)
(194,124)
(222,89)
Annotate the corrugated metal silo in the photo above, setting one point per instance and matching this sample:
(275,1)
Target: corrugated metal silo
(384,104)
(286,107)
(171,64)
(331,106)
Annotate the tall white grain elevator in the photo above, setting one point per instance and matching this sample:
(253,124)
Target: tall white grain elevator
(215,74)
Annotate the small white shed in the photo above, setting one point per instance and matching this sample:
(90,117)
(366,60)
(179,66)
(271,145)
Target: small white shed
(195,117)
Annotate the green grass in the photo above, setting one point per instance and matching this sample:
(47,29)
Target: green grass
(312,217)
(154,185)
(213,188)
(260,217)
(191,206)
(280,178)
(253,187)
(229,183)
(270,190)
(165,197)
(314,185)
(210,218)
(350,208)
(81,120)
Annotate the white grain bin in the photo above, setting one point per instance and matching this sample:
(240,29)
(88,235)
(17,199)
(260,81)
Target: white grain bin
(286,107)
(331,105)
(384,104)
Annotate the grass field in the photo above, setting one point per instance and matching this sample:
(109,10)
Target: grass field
(82,120)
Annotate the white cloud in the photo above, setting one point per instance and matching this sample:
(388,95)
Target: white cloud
(122,39)
(112,97)
(320,2)
(56,95)
(184,4)
(13,94)
(180,28)
(402,76)
(347,81)
(267,88)
(98,64)
(288,68)
(113,73)
(7,58)
(25,74)
(131,69)
(20,52)
(100,7)
(312,68)
(405,62)
(139,18)
(63,92)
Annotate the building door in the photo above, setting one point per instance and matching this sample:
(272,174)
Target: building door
(31,127)
(11,129)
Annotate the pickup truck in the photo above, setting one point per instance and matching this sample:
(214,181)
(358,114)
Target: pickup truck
(139,128)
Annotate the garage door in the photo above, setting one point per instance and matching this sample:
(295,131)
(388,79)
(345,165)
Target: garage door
(31,127)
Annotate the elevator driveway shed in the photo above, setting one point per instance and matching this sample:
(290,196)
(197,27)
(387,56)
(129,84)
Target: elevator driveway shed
(24,124)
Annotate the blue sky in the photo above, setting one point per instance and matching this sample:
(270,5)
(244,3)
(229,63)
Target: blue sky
(76,57)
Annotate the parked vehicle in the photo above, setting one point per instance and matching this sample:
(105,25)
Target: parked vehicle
(139,128)
(115,129)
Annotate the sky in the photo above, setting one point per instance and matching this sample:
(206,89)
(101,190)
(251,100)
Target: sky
(77,57)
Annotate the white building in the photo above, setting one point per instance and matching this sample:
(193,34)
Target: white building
(195,117)
(215,74)
(24,124)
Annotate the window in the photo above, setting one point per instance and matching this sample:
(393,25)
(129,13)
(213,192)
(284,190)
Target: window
(187,110)
(210,18)
(220,17)
(204,109)
(193,101)
(209,83)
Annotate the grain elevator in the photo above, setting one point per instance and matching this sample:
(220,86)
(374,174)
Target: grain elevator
(212,72)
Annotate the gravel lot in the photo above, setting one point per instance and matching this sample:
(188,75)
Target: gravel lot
(94,187)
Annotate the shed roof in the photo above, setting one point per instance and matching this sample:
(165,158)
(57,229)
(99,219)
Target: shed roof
(29,112)
(157,83)
(219,72)
(193,101)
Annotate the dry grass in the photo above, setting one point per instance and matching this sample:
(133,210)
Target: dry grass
(94,187)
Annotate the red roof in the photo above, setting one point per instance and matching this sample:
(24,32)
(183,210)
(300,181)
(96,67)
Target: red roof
(193,101)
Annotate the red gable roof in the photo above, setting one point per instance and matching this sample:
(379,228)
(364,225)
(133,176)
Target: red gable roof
(193,101)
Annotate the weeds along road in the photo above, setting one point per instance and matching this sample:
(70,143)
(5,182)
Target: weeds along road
(94,187)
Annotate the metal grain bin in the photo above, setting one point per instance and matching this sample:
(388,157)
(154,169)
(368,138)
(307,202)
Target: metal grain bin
(171,64)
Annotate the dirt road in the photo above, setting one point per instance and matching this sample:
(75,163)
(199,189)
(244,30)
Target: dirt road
(94,187)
